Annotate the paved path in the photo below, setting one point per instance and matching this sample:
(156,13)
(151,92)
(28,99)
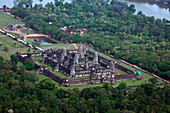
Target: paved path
(19,40)
(75,45)
(34,35)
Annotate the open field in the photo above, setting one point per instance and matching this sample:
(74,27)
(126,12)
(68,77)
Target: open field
(42,77)
(28,31)
(59,46)
(6,19)
(11,46)
(81,87)
(60,74)
(119,72)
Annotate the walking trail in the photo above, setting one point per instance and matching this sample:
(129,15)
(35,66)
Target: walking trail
(75,45)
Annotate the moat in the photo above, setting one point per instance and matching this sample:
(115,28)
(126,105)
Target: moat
(149,9)
(43,40)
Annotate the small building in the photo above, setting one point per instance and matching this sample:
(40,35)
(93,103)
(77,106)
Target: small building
(81,31)
(50,23)
(69,32)
(11,27)
(20,25)
(63,28)
(6,9)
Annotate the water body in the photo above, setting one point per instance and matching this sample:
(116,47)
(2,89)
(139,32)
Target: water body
(150,9)
(42,40)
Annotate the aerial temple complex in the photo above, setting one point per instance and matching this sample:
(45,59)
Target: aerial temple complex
(81,66)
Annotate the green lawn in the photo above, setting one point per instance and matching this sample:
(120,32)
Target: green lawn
(59,46)
(13,47)
(82,77)
(6,19)
(28,31)
(32,42)
(38,58)
(119,72)
(60,74)
(42,77)
(80,87)
(42,64)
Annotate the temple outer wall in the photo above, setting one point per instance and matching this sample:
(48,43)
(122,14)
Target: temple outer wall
(69,82)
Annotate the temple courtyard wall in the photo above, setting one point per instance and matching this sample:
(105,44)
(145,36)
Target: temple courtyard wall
(68,82)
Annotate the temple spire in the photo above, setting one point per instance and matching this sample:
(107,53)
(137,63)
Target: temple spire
(96,58)
(81,51)
(64,52)
(76,58)
(84,50)
(72,72)
(112,68)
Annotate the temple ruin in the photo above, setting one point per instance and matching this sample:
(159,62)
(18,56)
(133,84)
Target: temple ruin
(81,65)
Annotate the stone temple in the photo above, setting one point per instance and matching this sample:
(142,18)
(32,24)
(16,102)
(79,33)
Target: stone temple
(81,66)
(77,63)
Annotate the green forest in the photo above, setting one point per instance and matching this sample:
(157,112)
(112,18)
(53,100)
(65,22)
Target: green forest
(111,28)
(22,92)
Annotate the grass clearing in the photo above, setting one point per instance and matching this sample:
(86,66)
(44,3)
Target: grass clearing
(58,46)
(12,47)
(60,74)
(119,72)
(42,77)
(38,58)
(6,19)
(81,87)
(32,42)
(28,31)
